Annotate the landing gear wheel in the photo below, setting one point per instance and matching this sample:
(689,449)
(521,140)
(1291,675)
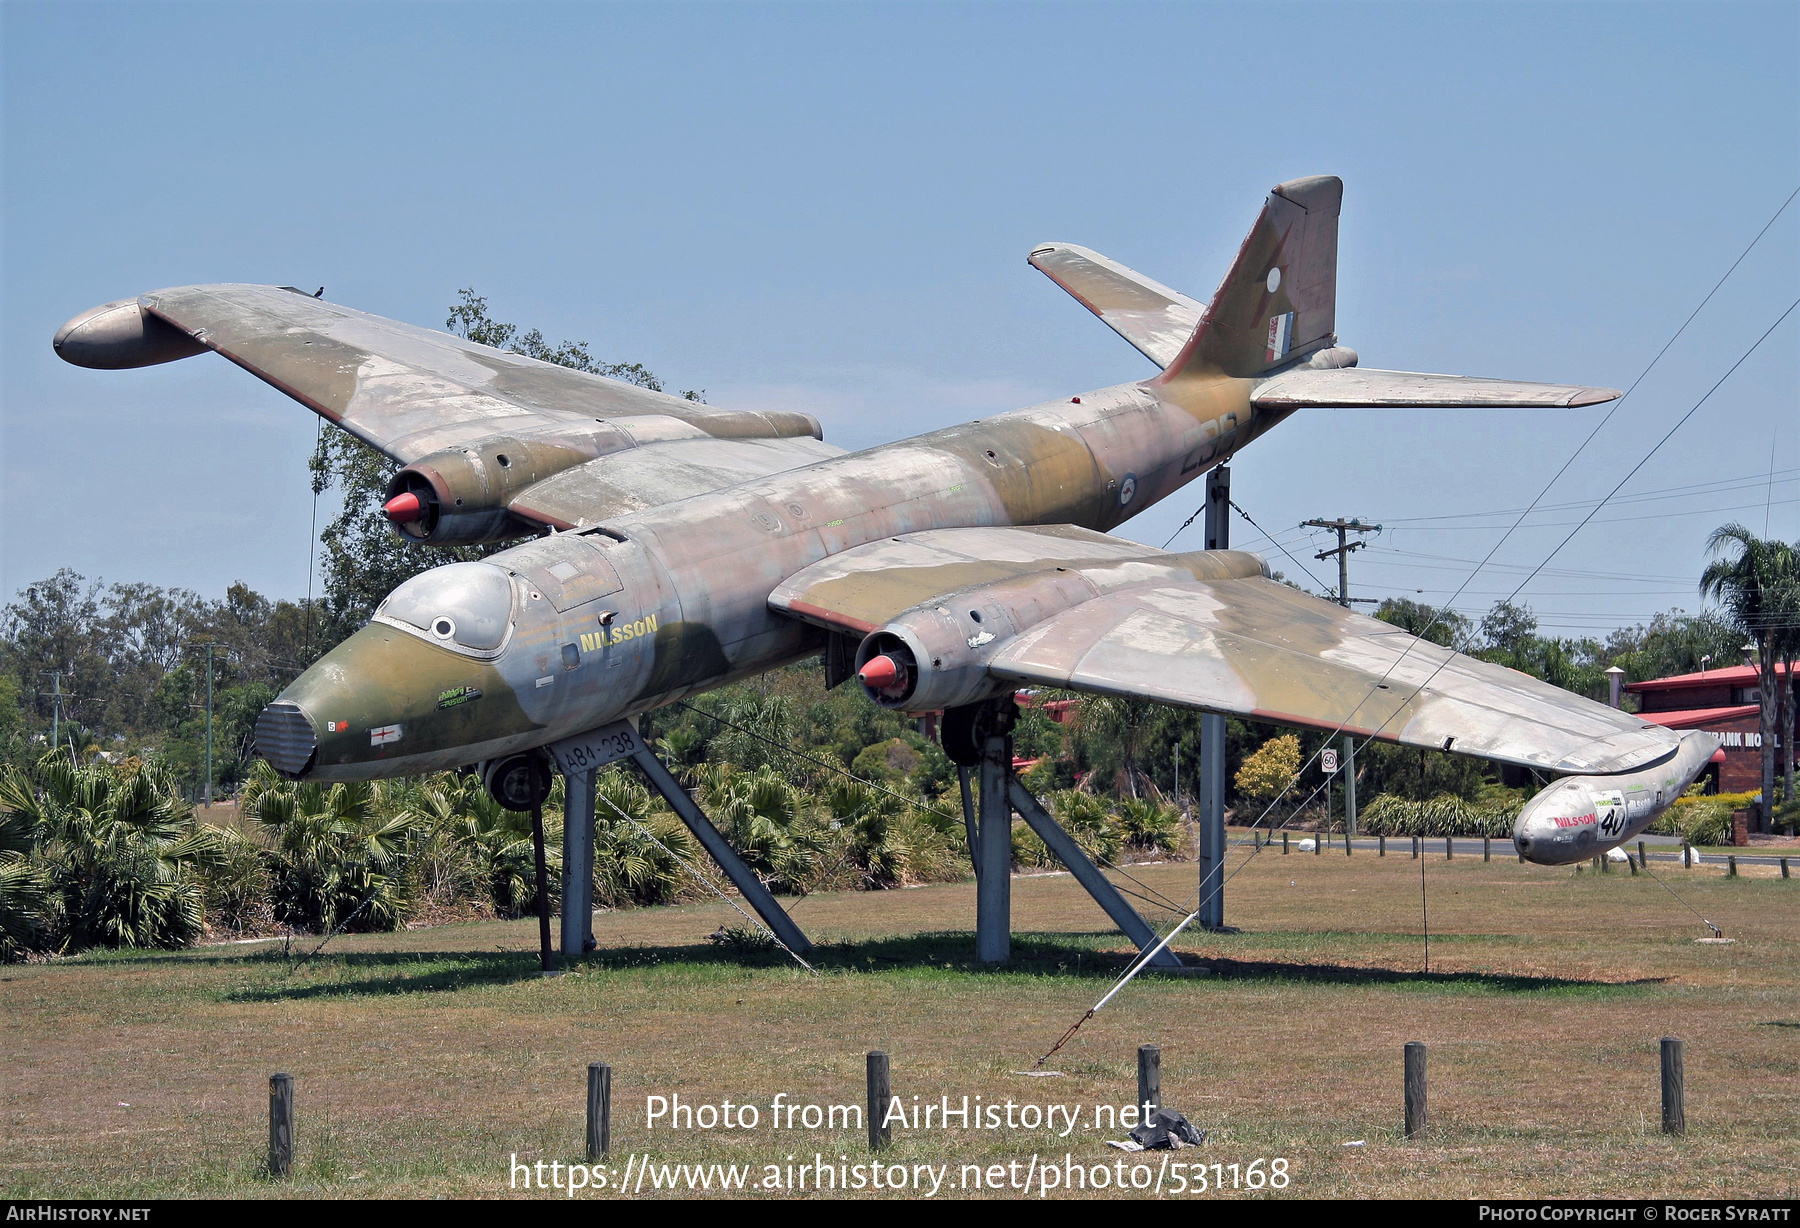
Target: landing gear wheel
(966,729)
(518,782)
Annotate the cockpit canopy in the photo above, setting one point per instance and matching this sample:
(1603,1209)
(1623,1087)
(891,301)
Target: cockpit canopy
(467,606)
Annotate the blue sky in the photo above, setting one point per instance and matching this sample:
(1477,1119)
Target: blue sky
(828,207)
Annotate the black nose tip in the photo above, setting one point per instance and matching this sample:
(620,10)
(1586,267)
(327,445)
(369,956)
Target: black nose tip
(285,737)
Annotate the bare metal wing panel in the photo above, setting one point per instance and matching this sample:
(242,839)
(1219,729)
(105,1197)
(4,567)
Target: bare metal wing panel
(1365,388)
(1154,318)
(411,391)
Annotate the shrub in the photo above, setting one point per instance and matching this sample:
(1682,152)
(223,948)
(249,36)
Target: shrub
(1268,772)
(629,866)
(118,848)
(1701,819)
(1444,815)
(1148,826)
(339,853)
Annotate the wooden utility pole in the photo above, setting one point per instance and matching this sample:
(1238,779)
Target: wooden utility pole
(1343,528)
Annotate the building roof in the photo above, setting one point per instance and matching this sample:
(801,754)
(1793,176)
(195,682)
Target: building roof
(1731,675)
(1693,718)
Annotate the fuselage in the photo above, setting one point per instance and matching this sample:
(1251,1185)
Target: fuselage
(651,607)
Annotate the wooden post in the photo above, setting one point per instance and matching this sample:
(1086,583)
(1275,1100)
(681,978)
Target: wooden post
(1605,863)
(1415,1089)
(1284,844)
(281,1124)
(1319,843)
(880,1093)
(1449,848)
(1784,867)
(1415,848)
(1687,855)
(1632,862)
(1381,845)
(1487,848)
(599,1111)
(1731,867)
(1149,1079)
(1674,1088)
(1643,857)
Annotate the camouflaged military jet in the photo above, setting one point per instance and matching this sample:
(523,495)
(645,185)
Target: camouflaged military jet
(676,547)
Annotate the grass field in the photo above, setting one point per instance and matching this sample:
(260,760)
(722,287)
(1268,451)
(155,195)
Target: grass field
(424,1060)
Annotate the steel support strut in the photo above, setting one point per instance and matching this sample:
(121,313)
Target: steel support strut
(1212,735)
(578,863)
(1088,874)
(993,881)
(721,851)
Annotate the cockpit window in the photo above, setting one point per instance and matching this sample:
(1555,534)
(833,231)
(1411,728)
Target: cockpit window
(465,604)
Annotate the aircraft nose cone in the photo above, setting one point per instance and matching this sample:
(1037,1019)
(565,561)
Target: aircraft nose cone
(286,738)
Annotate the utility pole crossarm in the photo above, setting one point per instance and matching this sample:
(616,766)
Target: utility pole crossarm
(1343,528)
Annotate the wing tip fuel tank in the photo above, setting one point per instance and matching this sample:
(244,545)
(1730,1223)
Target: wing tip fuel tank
(120,335)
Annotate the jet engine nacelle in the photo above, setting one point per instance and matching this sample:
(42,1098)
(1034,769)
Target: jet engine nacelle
(939,653)
(921,662)
(460,496)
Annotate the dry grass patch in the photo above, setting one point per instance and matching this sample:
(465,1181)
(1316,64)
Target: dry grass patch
(425,1059)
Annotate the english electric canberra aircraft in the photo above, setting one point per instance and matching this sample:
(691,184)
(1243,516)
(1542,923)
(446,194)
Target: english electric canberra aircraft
(678,547)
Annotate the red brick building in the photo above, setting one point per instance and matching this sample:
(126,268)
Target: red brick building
(1721,701)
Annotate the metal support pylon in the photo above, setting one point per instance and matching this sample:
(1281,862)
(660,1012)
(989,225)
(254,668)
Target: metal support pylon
(1212,735)
(993,883)
(578,863)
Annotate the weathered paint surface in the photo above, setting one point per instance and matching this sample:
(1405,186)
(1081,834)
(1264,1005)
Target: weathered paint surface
(706,545)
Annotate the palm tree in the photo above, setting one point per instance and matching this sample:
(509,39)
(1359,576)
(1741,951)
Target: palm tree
(26,895)
(120,849)
(1756,588)
(1787,644)
(340,851)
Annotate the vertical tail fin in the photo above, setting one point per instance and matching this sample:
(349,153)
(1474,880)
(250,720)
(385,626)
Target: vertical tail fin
(1279,300)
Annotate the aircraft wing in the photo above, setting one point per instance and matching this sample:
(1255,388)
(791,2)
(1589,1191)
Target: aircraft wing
(1154,318)
(1365,388)
(658,473)
(1063,607)
(408,391)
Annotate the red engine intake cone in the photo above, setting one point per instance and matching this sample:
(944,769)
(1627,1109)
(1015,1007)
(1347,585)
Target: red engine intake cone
(880,673)
(404,509)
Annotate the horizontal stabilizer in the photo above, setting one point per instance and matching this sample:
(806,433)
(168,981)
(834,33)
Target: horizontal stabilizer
(1154,318)
(1363,388)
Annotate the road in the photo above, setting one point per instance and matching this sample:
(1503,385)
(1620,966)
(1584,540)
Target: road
(1657,848)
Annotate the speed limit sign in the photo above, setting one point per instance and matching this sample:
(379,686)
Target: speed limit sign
(1328,761)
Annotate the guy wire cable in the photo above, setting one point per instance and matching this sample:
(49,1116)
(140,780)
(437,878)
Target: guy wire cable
(1133,971)
(1450,656)
(649,835)
(916,803)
